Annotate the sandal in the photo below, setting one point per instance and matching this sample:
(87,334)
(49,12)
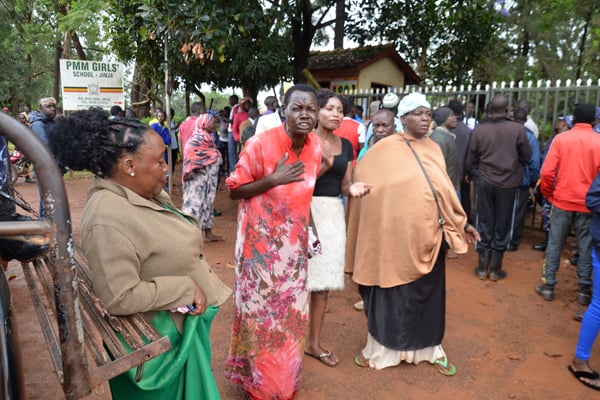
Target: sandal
(444,367)
(360,361)
(586,378)
(326,358)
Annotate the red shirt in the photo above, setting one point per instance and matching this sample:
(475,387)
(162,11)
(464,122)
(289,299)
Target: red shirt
(349,130)
(571,165)
(240,117)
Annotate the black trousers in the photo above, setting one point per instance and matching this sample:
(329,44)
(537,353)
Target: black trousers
(494,215)
(518,220)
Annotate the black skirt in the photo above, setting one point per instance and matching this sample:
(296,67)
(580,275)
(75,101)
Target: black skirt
(412,316)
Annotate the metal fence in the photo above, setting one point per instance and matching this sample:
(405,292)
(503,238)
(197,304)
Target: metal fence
(549,100)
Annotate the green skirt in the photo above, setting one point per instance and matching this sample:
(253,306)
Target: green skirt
(181,373)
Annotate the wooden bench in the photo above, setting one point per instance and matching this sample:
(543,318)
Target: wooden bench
(105,355)
(84,340)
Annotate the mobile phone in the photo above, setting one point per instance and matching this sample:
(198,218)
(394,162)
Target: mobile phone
(192,307)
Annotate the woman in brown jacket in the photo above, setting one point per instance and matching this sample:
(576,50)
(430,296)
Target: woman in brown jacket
(145,255)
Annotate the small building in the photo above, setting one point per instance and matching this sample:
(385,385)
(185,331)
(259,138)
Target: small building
(361,69)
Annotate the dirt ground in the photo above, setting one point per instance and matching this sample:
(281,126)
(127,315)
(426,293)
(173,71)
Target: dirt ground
(506,342)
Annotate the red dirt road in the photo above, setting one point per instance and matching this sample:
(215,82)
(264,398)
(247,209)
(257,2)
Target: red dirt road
(506,342)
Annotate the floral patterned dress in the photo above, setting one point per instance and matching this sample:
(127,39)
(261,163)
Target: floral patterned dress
(271,296)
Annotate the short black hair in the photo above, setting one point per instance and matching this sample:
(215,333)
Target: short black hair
(584,113)
(115,111)
(299,87)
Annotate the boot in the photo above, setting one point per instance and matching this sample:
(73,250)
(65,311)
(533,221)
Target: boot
(541,246)
(482,268)
(496,272)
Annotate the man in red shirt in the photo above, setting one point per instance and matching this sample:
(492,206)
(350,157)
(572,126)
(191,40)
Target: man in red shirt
(571,165)
(239,117)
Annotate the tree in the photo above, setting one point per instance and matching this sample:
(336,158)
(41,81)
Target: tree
(443,40)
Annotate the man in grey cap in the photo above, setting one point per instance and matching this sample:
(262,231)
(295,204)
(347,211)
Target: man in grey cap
(42,121)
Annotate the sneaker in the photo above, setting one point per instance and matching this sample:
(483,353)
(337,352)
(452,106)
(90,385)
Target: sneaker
(546,291)
(584,297)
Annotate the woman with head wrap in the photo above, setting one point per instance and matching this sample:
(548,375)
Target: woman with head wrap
(201,163)
(416,216)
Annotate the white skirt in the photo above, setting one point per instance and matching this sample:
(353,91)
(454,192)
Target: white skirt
(326,270)
(380,357)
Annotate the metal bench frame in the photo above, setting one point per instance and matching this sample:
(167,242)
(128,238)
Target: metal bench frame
(80,333)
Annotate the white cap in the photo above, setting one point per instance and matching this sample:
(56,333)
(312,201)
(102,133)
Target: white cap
(390,101)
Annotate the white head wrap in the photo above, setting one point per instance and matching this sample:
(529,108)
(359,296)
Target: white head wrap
(411,102)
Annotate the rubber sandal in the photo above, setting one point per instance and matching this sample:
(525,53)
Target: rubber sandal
(333,361)
(444,367)
(580,375)
(360,361)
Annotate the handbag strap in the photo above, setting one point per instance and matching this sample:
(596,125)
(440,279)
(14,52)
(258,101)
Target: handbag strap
(441,220)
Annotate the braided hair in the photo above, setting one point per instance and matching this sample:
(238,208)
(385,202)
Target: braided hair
(88,140)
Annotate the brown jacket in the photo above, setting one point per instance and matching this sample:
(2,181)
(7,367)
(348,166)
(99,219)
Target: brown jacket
(143,257)
(393,233)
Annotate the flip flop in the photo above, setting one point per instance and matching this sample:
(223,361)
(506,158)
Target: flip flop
(444,367)
(360,361)
(326,358)
(580,375)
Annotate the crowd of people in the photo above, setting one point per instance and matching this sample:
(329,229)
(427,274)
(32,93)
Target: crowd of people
(307,176)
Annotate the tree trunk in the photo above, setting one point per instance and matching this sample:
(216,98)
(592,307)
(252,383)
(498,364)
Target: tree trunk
(140,87)
(581,47)
(303,32)
(78,47)
(57,54)
(340,18)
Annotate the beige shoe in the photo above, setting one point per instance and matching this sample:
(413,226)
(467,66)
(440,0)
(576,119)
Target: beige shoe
(360,306)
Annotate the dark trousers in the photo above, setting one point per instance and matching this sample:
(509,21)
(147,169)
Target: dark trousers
(493,215)
(465,198)
(560,227)
(518,218)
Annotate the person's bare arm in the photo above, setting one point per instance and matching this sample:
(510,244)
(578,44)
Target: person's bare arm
(356,189)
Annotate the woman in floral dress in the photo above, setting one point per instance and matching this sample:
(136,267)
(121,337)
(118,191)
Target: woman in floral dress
(201,164)
(274,181)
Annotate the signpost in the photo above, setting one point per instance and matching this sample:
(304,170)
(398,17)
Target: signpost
(88,84)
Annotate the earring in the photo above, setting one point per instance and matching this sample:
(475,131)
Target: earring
(132,173)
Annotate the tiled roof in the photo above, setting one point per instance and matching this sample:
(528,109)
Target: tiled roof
(345,58)
(358,57)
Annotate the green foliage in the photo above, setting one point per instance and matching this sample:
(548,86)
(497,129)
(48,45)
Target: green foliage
(479,41)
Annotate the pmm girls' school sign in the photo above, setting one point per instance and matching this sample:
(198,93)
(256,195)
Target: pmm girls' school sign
(88,84)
